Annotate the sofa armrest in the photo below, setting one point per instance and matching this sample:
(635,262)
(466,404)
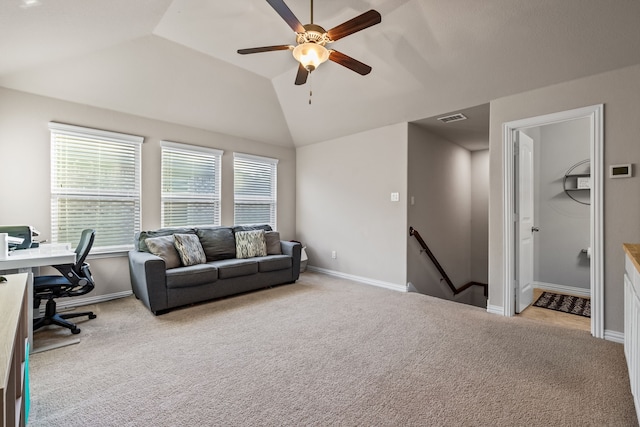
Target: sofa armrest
(148,280)
(294,250)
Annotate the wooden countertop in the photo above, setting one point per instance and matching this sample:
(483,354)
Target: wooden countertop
(633,250)
(11,294)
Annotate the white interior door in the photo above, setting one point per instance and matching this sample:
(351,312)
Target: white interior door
(525,226)
(595,113)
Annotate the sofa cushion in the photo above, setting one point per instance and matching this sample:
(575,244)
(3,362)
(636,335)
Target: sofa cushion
(143,235)
(163,247)
(274,263)
(250,244)
(228,268)
(217,242)
(189,249)
(195,275)
(273,243)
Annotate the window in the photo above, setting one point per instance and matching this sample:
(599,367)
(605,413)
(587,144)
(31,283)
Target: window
(190,185)
(255,182)
(95,183)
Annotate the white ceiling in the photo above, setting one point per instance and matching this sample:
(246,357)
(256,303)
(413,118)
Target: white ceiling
(176,60)
(471,133)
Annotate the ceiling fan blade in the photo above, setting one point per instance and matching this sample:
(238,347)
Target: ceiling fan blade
(301,77)
(349,62)
(354,25)
(263,49)
(286,14)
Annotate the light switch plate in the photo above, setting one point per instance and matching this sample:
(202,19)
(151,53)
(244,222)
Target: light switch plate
(395,197)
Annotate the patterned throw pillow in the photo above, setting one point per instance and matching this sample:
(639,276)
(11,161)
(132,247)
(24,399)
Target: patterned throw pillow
(250,244)
(169,231)
(164,248)
(189,249)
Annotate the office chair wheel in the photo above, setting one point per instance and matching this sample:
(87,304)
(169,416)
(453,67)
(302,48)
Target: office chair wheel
(92,316)
(75,331)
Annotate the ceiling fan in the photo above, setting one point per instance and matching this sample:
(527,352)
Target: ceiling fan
(311,40)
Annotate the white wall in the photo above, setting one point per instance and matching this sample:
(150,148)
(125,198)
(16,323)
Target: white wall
(25,166)
(343,204)
(619,90)
(480,216)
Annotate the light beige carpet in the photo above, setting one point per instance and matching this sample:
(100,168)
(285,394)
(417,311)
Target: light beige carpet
(327,352)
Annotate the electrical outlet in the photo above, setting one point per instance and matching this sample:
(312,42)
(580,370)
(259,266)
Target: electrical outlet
(334,255)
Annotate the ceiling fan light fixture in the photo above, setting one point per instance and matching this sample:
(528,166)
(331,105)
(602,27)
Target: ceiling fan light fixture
(310,50)
(310,55)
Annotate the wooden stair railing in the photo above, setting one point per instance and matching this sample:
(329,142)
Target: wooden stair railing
(413,232)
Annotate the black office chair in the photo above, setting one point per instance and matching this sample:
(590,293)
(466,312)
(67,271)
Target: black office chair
(76,280)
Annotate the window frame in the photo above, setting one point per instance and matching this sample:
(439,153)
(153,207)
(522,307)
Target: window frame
(60,130)
(213,153)
(272,199)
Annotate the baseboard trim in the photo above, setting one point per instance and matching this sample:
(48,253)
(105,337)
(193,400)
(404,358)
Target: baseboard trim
(69,303)
(365,280)
(580,292)
(495,309)
(614,336)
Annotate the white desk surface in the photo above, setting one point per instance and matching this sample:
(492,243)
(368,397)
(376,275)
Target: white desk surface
(45,254)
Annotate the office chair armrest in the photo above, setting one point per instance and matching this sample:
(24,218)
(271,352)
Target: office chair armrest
(66,270)
(80,283)
(149,280)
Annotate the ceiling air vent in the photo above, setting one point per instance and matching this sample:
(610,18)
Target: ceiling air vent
(453,118)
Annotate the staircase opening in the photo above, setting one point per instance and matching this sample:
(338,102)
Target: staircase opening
(445,277)
(448,201)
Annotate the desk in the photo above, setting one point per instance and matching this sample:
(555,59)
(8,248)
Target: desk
(25,260)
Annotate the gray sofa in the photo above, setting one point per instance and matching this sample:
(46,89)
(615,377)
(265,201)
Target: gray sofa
(163,282)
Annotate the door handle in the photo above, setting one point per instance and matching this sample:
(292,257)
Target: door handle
(535,229)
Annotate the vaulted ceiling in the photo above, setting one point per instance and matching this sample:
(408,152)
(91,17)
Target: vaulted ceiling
(176,60)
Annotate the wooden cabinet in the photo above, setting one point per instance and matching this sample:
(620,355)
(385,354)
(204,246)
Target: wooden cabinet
(13,350)
(631,319)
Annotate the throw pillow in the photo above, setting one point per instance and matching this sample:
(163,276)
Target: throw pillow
(273,243)
(189,249)
(163,247)
(169,231)
(250,244)
(217,242)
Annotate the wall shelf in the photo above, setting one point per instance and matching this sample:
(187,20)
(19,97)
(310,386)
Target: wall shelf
(570,182)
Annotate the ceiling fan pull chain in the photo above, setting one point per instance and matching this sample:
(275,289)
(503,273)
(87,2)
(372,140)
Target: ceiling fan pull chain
(310,87)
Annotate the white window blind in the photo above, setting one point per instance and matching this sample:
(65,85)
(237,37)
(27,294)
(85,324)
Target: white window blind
(190,185)
(255,183)
(95,183)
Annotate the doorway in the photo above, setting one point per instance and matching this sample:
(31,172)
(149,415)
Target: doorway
(517,295)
